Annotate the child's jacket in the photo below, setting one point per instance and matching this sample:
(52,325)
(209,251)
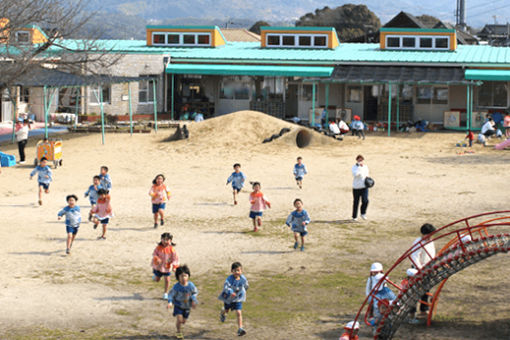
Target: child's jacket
(181,296)
(237,179)
(73,216)
(92,192)
(239,287)
(44,174)
(165,259)
(159,194)
(296,219)
(300,170)
(105,181)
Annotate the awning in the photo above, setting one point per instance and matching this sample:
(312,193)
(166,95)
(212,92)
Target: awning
(397,75)
(495,75)
(250,70)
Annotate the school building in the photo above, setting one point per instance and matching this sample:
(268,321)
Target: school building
(411,74)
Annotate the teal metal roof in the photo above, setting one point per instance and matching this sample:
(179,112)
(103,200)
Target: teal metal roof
(297,28)
(345,53)
(495,75)
(252,70)
(418,30)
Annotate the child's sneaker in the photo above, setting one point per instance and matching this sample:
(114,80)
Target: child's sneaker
(295,245)
(413,321)
(235,202)
(162,222)
(165,296)
(241,332)
(222,315)
(68,251)
(155,225)
(40,202)
(95,225)
(179,336)
(90,217)
(302,248)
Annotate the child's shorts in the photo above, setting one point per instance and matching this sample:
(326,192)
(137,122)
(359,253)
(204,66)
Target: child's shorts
(45,186)
(159,274)
(92,202)
(233,306)
(157,206)
(72,230)
(180,311)
(302,233)
(299,178)
(103,220)
(254,214)
(236,189)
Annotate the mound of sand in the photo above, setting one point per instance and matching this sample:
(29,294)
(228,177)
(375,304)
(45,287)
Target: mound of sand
(246,129)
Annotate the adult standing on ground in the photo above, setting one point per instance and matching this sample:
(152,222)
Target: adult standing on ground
(423,255)
(22,138)
(359,189)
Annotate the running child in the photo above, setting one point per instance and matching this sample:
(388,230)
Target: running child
(164,261)
(233,295)
(182,297)
(105,179)
(237,178)
(102,211)
(73,219)
(44,177)
(258,204)
(159,194)
(299,172)
(298,221)
(92,193)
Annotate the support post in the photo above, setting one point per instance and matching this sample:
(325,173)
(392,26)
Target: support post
(468,104)
(327,104)
(389,109)
(155,103)
(398,108)
(76,106)
(102,111)
(472,97)
(172,99)
(45,104)
(15,118)
(130,111)
(312,123)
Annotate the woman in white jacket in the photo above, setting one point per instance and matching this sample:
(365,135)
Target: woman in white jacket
(359,189)
(22,139)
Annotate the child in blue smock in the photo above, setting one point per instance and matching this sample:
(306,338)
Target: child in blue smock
(105,179)
(299,172)
(237,178)
(298,220)
(44,177)
(233,295)
(73,218)
(182,297)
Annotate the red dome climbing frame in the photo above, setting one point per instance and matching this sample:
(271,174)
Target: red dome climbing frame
(489,234)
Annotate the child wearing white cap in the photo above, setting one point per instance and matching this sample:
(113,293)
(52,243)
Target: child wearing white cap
(351,331)
(411,272)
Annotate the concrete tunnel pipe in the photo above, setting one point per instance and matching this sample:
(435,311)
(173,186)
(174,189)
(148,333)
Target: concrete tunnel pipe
(303,138)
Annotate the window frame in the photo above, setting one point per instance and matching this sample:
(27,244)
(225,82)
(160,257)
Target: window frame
(92,97)
(296,40)
(149,82)
(18,33)
(492,91)
(181,38)
(417,39)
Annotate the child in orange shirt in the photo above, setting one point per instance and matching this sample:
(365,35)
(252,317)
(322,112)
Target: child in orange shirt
(259,203)
(159,194)
(164,261)
(102,211)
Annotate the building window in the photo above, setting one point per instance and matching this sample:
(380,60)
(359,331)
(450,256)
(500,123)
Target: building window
(273,40)
(432,95)
(146,91)
(94,94)
(441,42)
(354,94)
(158,39)
(393,42)
(188,39)
(319,41)
(289,40)
(203,39)
(305,40)
(24,94)
(440,95)
(425,42)
(173,39)
(236,87)
(306,93)
(23,37)
(409,42)
(423,94)
(493,94)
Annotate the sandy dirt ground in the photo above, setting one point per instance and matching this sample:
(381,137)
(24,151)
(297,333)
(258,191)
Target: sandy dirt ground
(104,289)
